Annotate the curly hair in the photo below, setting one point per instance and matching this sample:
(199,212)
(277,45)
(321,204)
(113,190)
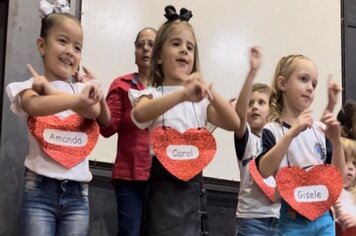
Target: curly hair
(346,115)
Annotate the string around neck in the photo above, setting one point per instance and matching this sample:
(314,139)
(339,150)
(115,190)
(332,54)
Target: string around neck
(195,113)
(320,146)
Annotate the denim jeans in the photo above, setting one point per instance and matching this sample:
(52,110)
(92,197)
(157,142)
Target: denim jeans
(256,227)
(298,225)
(130,197)
(54,207)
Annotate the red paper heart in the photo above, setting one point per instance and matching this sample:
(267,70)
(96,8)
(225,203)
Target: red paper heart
(322,176)
(268,190)
(71,139)
(183,155)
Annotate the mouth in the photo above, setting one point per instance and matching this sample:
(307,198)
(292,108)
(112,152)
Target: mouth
(254,116)
(66,61)
(182,61)
(145,58)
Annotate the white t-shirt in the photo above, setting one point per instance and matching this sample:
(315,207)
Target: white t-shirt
(183,116)
(252,202)
(37,160)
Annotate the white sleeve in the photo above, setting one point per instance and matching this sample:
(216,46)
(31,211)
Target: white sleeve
(134,96)
(13,91)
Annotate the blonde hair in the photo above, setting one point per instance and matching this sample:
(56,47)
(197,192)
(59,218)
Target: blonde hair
(285,68)
(156,73)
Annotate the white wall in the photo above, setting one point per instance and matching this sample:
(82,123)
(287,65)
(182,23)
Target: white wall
(224,29)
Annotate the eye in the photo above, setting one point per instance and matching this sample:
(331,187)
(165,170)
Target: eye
(262,102)
(78,49)
(303,78)
(251,103)
(314,84)
(62,41)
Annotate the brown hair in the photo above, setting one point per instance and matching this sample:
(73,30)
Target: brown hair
(156,73)
(285,67)
(51,20)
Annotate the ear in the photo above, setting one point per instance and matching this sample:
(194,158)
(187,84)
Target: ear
(345,132)
(281,83)
(41,46)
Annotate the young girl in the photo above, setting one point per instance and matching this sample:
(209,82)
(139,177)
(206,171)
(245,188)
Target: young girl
(294,139)
(177,101)
(62,131)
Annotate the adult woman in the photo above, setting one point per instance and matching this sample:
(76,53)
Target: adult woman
(132,165)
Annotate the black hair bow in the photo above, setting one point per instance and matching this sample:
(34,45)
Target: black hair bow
(171,14)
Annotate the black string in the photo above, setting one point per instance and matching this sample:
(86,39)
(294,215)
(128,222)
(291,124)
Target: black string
(318,143)
(195,113)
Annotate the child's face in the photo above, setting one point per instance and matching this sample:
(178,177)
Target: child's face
(177,55)
(257,111)
(143,48)
(299,88)
(62,50)
(350,172)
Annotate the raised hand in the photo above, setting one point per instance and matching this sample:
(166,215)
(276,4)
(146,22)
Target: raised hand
(333,92)
(89,95)
(304,121)
(332,128)
(255,58)
(40,83)
(89,78)
(196,89)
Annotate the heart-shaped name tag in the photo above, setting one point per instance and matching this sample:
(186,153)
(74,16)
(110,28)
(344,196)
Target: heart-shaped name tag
(68,141)
(312,192)
(268,185)
(183,155)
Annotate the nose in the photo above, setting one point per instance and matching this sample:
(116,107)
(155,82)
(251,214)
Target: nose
(70,50)
(184,50)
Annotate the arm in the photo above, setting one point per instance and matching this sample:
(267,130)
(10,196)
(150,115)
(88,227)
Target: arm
(269,163)
(104,115)
(148,109)
(333,91)
(36,105)
(243,100)
(333,133)
(222,114)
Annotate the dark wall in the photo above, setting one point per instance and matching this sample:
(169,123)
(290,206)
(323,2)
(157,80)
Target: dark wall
(348,12)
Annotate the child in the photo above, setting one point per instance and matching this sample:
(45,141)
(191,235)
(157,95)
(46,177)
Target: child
(133,162)
(256,213)
(294,139)
(61,131)
(178,101)
(345,207)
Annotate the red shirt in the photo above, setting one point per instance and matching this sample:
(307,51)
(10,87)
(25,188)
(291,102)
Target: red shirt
(133,161)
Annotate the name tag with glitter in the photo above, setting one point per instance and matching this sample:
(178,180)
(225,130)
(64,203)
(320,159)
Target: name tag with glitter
(184,155)
(68,141)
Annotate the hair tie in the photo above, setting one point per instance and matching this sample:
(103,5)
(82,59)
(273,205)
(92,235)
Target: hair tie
(60,6)
(171,14)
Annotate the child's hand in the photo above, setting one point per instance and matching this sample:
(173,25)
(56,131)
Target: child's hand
(255,58)
(89,78)
(196,89)
(40,83)
(332,130)
(333,92)
(89,95)
(304,121)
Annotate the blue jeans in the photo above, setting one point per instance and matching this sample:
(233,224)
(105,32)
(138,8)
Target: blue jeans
(54,207)
(256,227)
(130,197)
(298,225)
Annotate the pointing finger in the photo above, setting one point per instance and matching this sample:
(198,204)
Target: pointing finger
(32,70)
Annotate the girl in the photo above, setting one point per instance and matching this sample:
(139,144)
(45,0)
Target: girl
(178,101)
(62,131)
(294,139)
(133,162)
